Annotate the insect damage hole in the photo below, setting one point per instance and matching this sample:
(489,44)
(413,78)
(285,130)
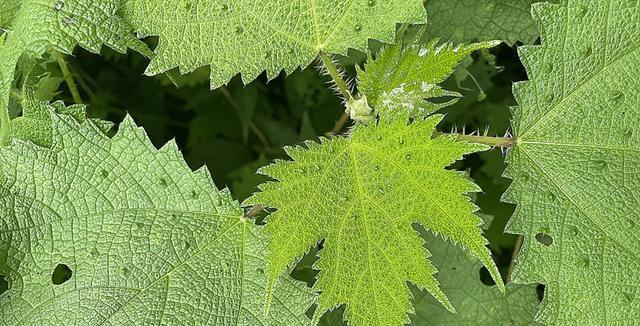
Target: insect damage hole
(544,239)
(4,284)
(485,277)
(61,274)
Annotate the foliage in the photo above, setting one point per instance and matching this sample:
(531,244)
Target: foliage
(574,165)
(482,20)
(405,78)
(348,185)
(477,303)
(146,239)
(59,25)
(374,191)
(243,37)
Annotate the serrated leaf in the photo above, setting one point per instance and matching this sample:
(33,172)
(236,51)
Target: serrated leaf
(60,25)
(403,78)
(147,241)
(361,194)
(481,20)
(34,124)
(575,163)
(248,37)
(476,303)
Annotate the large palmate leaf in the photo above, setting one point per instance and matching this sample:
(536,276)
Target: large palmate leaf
(482,20)
(147,241)
(61,25)
(576,164)
(476,303)
(250,37)
(361,194)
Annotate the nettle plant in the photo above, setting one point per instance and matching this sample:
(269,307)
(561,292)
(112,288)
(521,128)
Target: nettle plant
(145,240)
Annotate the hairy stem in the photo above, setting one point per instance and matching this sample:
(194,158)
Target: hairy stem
(335,75)
(337,128)
(485,140)
(68,77)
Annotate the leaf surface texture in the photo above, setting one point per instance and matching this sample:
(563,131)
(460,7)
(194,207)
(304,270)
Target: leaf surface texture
(476,303)
(37,26)
(250,36)
(362,194)
(482,20)
(576,164)
(148,241)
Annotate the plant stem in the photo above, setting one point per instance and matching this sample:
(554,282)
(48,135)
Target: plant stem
(512,265)
(68,77)
(5,120)
(335,75)
(263,139)
(485,140)
(337,128)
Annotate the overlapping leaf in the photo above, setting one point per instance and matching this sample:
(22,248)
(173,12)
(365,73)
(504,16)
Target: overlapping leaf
(61,25)
(250,37)
(576,163)
(147,240)
(482,20)
(34,124)
(476,303)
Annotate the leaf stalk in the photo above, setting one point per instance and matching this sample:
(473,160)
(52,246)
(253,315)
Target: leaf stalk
(487,140)
(336,76)
(68,78)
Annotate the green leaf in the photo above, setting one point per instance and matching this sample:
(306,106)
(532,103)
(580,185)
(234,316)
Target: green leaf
(476,303)
(481,20)
(144,239)
(403,78)
(361,194)
(8,10)
(34,124)
(60,25)
(575,164)
(249,38)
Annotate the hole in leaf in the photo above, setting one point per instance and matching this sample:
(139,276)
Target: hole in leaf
(540,291)
(61,274)
(544,238)
(4,284)
(485,277)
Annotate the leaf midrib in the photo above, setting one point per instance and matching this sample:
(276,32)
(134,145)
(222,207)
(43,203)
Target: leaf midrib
(546,115)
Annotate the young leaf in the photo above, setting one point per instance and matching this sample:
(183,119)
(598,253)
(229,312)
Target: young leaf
(481,20)
(404,78)
(249,38)
(361,194)
(476,303)
(61,25)
(575,163)
(141,238)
